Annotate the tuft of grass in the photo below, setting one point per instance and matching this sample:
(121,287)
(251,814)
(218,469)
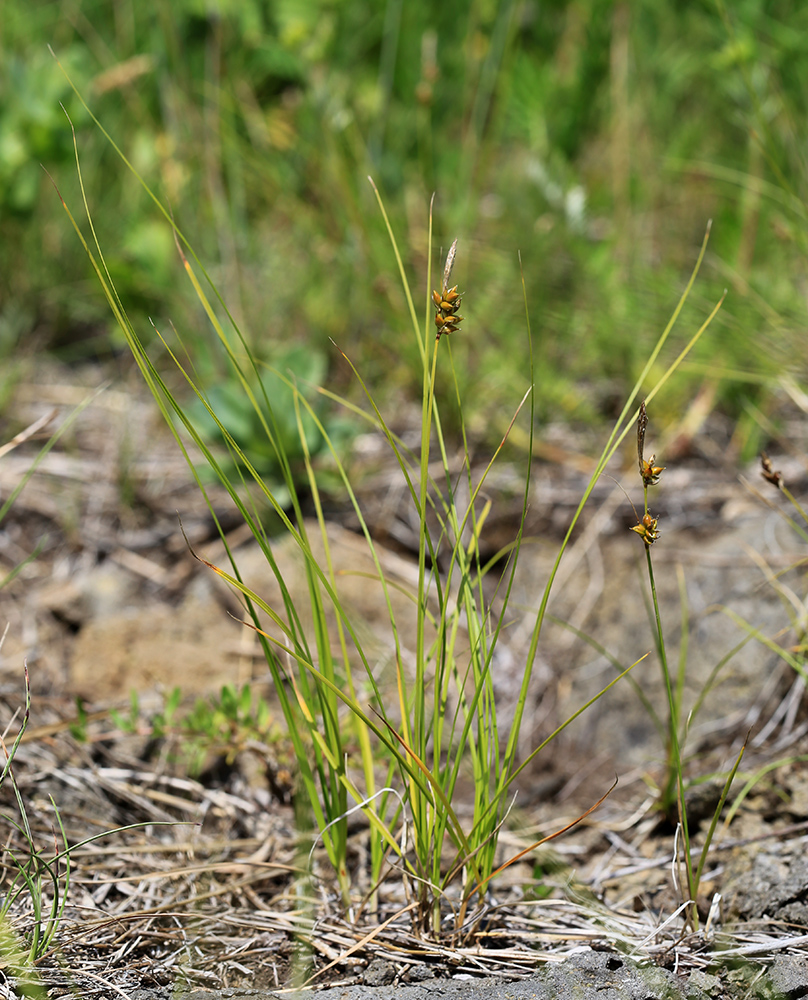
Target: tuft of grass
(397,755)
(35,880)
(38,878)
(35,877)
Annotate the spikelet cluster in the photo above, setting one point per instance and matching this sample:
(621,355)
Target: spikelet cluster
(769,474)
(647,529)
(447,301)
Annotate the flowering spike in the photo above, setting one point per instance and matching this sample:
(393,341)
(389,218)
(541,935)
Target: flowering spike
(769,474)
(642,423)
(447,301)
(647,529)
(649,473)
(450,259)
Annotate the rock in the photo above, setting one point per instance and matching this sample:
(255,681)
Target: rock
(775,887)
(787,979)
(379,973)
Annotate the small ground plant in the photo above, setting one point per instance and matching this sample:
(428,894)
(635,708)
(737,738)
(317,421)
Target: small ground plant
(35,874)
(222,725)
(42,880)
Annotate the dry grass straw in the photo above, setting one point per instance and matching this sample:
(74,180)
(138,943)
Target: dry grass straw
(215,900)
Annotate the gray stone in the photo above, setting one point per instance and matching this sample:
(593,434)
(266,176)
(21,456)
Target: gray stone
(787,979)
(703,986)
(584,975)
(776,886)
(379,973)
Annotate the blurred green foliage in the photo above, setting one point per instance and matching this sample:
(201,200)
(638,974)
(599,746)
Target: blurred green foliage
(220,725)
(595,136)
(296,365)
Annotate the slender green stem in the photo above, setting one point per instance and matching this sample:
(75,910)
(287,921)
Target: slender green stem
(674,778)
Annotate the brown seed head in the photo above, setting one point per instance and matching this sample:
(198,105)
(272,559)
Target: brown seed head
(775,478)
(447,301)
(650,473)
(647,529)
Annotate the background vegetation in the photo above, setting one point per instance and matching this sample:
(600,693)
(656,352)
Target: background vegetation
(595,136)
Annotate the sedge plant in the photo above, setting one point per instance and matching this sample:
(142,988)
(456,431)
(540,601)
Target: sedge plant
(398,758)
(672,793)
(793,603)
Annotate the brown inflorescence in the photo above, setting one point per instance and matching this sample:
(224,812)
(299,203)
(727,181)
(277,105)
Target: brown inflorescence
(647,529)
(448,300)
(769,474)
(648,471)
